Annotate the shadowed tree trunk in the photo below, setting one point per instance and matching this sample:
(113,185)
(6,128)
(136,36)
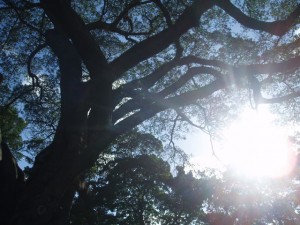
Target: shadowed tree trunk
(12,184)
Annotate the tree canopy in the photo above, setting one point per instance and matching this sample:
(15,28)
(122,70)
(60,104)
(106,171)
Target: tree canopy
(80,77)
(142,190)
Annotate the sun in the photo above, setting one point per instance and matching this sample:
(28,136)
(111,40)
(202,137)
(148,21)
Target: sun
(253,146)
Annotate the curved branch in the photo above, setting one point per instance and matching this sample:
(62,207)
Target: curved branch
(143,98)
(278,28)
(169,22)
(238,73)
(187,20)
(186,77)
(65,18)
(145,82)
(184,99)
(113,27)
(162,40)
(34,78)
(149,80)
(237,76)
(124,13)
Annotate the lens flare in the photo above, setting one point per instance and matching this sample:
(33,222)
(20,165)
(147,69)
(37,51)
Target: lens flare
(255,147)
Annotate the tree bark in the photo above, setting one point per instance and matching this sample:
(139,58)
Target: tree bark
(51,185)
(12,184)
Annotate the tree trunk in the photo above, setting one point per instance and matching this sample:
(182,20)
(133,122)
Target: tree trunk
(48,192)
(12,184)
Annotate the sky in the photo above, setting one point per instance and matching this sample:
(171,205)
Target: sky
(197,144)
(253,145)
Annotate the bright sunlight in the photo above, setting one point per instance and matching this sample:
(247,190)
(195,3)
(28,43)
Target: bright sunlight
(254,146)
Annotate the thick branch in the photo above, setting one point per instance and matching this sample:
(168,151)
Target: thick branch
(127,90)
(278,28)
(145,82)
(149,80)
(143,98)
(173,102)
(186,77)
(66,19)
(69,63)
(162,40)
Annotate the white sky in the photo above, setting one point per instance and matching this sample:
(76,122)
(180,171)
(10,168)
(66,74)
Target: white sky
(197,144)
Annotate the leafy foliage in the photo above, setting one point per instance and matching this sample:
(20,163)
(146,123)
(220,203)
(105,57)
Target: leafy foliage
(11,126)
(137,191)
(142,190)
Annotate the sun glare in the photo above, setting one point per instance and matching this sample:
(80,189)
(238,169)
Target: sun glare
(254,146)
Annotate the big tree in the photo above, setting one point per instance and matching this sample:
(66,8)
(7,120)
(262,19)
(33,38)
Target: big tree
(83,73)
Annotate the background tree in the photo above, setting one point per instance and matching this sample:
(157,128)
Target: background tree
(86,72)
(237,200)
(11,126)
(142,190)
